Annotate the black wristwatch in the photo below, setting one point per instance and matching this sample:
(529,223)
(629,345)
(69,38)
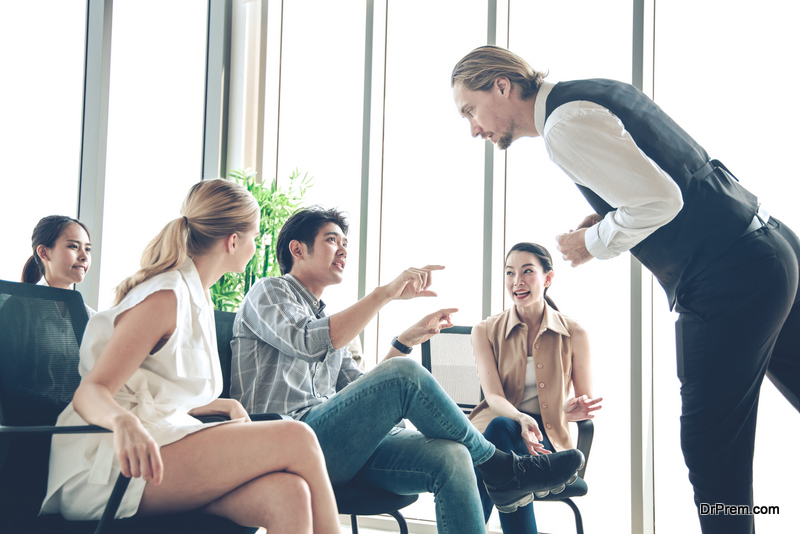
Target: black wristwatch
(399,346)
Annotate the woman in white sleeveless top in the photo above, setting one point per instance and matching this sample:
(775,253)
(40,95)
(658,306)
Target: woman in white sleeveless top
(150,363)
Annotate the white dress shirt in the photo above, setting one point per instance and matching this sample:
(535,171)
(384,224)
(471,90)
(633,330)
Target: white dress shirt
(591,145)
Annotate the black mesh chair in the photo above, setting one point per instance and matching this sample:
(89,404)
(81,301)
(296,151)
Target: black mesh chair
(449,358)
(351,499)
(40,331)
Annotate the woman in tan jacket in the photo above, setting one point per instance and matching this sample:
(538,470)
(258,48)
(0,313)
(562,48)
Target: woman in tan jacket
(530,357)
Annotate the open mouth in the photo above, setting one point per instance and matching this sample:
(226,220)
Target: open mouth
(521,294)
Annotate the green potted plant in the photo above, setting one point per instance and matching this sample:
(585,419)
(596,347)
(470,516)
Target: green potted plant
(277,204)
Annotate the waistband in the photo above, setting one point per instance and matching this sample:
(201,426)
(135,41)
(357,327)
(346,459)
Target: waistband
(761,218)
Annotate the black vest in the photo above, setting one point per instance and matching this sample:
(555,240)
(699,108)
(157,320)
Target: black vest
(716,209)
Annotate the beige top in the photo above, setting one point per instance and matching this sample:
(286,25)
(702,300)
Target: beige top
(552,355)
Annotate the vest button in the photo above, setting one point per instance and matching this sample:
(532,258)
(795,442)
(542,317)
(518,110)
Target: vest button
(536,346)
(541,384)
(539,365)
(548,425)
(544,405)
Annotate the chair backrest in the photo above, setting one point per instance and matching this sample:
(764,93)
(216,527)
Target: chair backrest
(448,356)
(224,328)
(41,329)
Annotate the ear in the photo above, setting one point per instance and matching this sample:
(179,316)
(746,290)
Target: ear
(549,278)
(503,85)
(296,249)
(41,251)
(230,243)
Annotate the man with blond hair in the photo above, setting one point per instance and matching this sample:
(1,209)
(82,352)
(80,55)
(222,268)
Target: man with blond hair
(727,266)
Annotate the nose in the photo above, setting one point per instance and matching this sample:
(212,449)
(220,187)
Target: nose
(475,130)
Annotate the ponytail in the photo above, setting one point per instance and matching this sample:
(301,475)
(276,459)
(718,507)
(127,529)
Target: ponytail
(31,273)
(167,251)
(213,209)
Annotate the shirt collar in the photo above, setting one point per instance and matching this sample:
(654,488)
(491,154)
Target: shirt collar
(188,271)
(42,282)
(552,320)
(308,296)
(540,106)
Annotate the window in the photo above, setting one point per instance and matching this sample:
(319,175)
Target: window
(542,202)
(155,126)
(730,94)
(42,48)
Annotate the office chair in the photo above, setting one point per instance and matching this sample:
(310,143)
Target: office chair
(41,329)
(449,358)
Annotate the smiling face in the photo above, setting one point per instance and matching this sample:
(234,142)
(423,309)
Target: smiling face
(323,264)
(526,281)
(69,259)
(489,113)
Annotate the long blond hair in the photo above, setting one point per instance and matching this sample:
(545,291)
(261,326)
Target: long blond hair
(213,209)
(478,70)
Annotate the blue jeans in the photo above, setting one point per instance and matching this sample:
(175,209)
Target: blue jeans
(506,434)
(353,428)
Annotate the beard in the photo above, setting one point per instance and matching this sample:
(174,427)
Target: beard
(507,138)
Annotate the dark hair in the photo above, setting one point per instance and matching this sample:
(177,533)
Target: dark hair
(46,232)
(304,226)
(478,70)
(544,258)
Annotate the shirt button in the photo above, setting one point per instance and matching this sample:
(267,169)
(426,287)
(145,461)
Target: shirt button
(541,384)
(544,405)
(539,365)
(548,425)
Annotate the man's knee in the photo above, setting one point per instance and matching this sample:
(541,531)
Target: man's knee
(453,461)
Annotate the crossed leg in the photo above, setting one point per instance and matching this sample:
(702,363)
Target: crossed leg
(265,474)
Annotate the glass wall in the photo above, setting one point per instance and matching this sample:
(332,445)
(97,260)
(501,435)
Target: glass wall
(542,202)
(155,126)
(42,111)
(725,74)
(321,114)
(432,173)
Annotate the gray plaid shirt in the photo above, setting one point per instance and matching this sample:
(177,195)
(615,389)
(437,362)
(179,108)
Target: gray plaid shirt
(283,360)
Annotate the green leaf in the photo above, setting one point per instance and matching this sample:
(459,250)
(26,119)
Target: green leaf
(277,205)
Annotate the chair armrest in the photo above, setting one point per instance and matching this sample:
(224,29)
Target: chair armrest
(269,417)
(585,436)
(253,417)
(48,429)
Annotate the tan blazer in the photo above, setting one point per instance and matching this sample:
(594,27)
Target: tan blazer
(552,355)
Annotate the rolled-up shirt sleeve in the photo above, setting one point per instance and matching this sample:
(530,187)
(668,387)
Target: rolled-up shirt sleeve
(274,315)
(593,147)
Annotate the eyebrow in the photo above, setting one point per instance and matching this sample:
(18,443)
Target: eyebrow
(76,241)
(336,234)
(525,265)
(464,109)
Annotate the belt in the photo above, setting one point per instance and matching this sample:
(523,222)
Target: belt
(761,218)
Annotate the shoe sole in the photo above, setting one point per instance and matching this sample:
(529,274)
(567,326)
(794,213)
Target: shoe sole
(512,507)
(574,477)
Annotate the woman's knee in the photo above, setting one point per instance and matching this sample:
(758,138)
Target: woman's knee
(502,432)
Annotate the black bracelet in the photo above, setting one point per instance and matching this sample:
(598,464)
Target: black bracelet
(401,347)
